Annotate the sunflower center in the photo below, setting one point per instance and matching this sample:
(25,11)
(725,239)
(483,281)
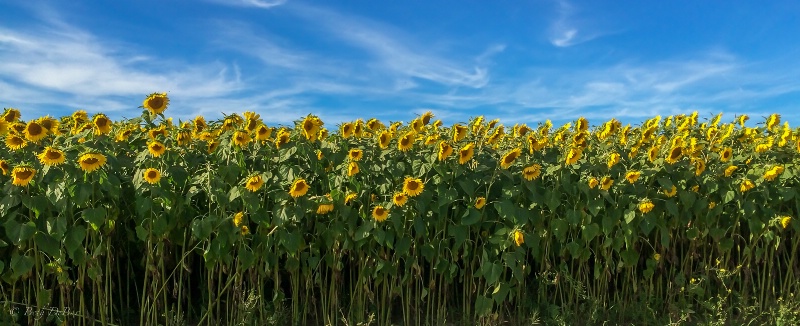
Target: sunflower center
(35,129)
(156,147)
(24,175)
(413,185)
(152,174)
(300,186)
(16,140)
(380,211)
(101,122)
(156,102)
(91,161)
(53,155)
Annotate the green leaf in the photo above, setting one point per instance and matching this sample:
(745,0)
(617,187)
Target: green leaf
(630,215)
(73,241)
(471,216)
(20,265)
(246,258)
(590,231)
(491,272)
(726,244)
(630,257)
(483,305)
(665,183)
(672,208)
(559,228)
(553,199)
(402,246)
(95,216)
(47,244)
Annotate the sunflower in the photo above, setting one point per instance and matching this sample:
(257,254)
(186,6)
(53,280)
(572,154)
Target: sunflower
(374,124)
(352,169)
(652,154)
(519,238)
(238,218)
(282,138)
(355,154)
(4,127)
(323,209)
(155,132)
(384,138)
(263,132)
(380,214)
(459,132)
(509,158)
(350,197)
(15,142)
(426,117)
(123,134)
(252,121)
(573,155)
(480,202)
(632,176)
(91,161)
(413,187)
(711,205)
(212,146)
(310,126)
(406,142)
(672,192)
(347,130)
(254,183)
(400,199)
(35,132)
(299,188)
(156,103)
(241,138)
(773,120)
(4,166)
(606,183)
(11,115)
(156,148)
(52,156)
(48,123)
(445,150)
(22,175)
(532,172)
(593,182)
(152,176)
(466,153)
(729,170)
(417,125)
(773,173)
(430,140)
(699,166)
(101,123)
(674,154)
(785,221)
(746,185)
(646,206)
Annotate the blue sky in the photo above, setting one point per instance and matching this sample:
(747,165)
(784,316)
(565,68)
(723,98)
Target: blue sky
(519,61)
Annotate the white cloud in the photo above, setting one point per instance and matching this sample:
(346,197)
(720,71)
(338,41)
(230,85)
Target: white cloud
(567,30)
(265,4)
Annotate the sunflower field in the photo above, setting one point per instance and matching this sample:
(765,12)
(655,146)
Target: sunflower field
(232,222)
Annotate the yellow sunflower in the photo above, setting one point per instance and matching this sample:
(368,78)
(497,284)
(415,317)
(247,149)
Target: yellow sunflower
(632,176)
(729,170)
(91,161)
(413,187)
(445,150)
(674,154)
(417,125)
(459,132)
(156,148)
(773,120)
(652,154)
(241,138)
(4,167)
(252,121)
(646,206)
(323,209)
(699,166)
(426,117)
(350,197)
(606,183)
(48,123)
(519,238)
(352,169)
(263,132)
(254,183)
(101,124)
(52,156)
(22,175)
(35,132)
(347,130)
(156,103)
(509,158)
(380,214)
(400,199)
(672,192)
(11,115)
(384,138)
(238,218)
(15,142)
(480,202)
(593,182)
(466,153)
(355,154)
(212,146)
(746,185)
(299,188)
(155,132)
(773,173)
(310,126)
(4,127)
(573,155)
(375,124)
(282,138)
(785,221)
(406,142)
(532,172)
(322,134)
(152,176)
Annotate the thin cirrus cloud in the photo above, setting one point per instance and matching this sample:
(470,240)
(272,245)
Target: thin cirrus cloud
(567,30)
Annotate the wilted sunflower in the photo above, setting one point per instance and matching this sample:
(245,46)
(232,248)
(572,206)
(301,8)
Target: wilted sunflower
(674,154)
(384,138)
(509,158)
(299,188)
(593,182)
(445,150)
(241,138)
(352,169)
(785,221)
(156,103)
(152,176)
(11,115)
(606,183)
(646,206)
(480,202)
(4,167)
(466,153)
(672,192)
(355,154)
(746,185)
(413,187)
(350,197)
(22,175)
(91,161)
(406,142)
(102,125)
(632,176)
(459,132)
(52,156)
(15,142)
(35,132)
(519,238)
(380,214)
(156,148)
(532,172)
(400,199)
(254,183)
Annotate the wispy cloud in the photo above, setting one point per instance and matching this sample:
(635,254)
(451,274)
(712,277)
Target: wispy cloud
(265,4)
(566,30)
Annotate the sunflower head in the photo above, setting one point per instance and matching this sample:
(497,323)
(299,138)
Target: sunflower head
(466,153)
(15,142)
(241,138)
(152,176)
(254,183)
(746,185)
(374,124)
(773,120)
(646,206)
(350,198)
(445,150)
(4,127)
(480,202)
(674,154)
(380,214)
(573,155)
(413,187)
(156,103)
(101,123)
(400,199)
(355,154)
(156,148)
(509,158)
(593,182)
(347,130)
(90,162)
(282,138)
(310,126)
(606,183)
(785,221)
(48,123)
(35,132)
(459,132)
(263,132)
(532,172)
(519,238)
(11,115)
(4,167)
(671,192)
(22,175)
(352,169)
(298,188)
(407,141)
(632,176)
(52,156)
(384,138)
